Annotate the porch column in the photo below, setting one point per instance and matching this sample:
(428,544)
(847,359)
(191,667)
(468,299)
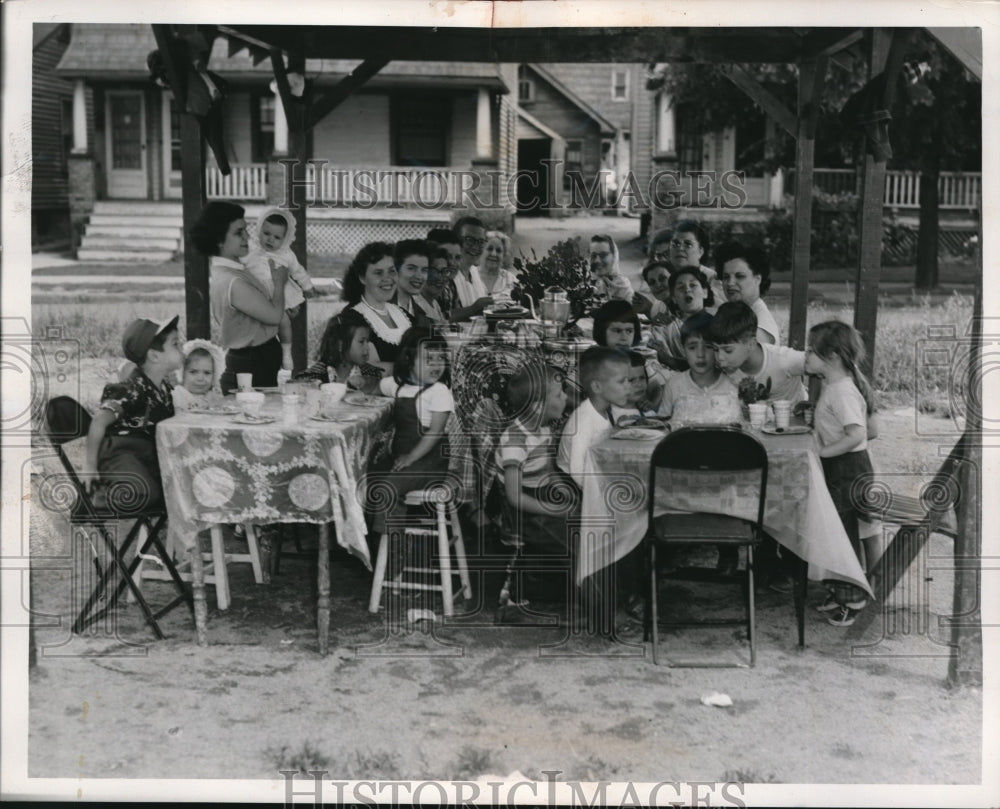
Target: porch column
(79,117)
(484,126)
(280,126)
(665,125)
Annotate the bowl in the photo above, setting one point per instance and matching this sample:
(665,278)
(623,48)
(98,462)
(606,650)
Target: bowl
(332,392)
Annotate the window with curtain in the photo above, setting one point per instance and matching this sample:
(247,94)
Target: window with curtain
(420,129)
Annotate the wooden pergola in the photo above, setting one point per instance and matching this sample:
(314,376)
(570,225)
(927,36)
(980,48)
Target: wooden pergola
(810,48)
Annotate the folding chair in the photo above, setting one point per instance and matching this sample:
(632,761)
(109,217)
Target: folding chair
(704,449)
(68,421)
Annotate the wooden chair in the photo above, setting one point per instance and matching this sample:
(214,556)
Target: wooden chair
(66,420)
(704,449)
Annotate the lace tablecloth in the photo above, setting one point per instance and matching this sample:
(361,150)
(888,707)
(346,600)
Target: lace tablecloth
(216,470)
(798,511)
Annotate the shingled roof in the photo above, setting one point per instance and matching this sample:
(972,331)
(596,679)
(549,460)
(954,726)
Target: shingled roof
(119,51)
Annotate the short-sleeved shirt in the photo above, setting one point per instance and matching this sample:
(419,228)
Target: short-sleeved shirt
(785,367)
(138,404)
(765,320)
(534,451)
(585,427)
(687,401)
(840,404)
(436,398)
(469,291)
(236,329)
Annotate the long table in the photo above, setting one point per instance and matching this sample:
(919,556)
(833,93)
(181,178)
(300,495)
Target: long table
(218,471)
(798,511)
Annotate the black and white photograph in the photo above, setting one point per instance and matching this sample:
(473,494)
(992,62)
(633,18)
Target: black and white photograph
(549,403)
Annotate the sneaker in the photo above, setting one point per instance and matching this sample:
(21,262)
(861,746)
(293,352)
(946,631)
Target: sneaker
(844,616)
(829,605)
(860,604)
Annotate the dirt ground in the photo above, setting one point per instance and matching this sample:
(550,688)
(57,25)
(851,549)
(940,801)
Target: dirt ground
(472,699)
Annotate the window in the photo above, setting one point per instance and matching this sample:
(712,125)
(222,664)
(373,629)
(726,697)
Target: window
(688,142)
(619,85)
(574,160)
(525,85)
(65,133)
(262,127)
(420,129)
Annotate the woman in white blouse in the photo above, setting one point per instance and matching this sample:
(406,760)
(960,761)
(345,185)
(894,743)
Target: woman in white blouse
(369,286)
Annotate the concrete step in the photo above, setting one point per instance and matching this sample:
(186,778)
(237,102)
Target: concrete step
(135,231)
(138,207)
(136,220)
(147,257)
(90,242)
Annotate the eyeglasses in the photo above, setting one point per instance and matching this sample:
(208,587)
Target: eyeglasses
(472,241)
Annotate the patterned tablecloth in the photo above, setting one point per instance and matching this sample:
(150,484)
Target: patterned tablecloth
(216,470)
(798,511)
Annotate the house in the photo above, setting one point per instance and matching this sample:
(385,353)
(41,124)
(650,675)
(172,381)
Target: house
(51,138)
(417,142)
(587,119)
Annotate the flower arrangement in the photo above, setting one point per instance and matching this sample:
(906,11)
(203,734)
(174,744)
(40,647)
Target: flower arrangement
(565,265)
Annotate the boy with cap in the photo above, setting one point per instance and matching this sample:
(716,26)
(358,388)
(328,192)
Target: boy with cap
(121,443)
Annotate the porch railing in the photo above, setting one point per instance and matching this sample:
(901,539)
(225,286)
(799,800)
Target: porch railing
(389,185)
(957,190)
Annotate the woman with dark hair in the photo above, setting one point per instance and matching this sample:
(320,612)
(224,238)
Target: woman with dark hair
(248,317)
(746,276)
(369,286)
(685,245)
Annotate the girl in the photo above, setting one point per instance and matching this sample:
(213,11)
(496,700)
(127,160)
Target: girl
(690,294)
(200,375)
(343,354)
(423,405)
(616,325)
(834,354)
(369,286)
(248,316)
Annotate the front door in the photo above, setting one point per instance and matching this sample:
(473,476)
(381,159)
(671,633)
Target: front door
(125,128)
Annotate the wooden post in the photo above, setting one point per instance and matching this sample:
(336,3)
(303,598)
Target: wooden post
(811,78)
(295,193)
(195,263)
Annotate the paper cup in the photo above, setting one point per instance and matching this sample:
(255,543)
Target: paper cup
(312,401)
(251,403)
(333,391)
(244,382)
(284,377)
(782,413)
(758,414)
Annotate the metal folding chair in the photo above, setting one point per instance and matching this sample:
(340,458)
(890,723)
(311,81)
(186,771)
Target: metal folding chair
(704,449)
(68,421)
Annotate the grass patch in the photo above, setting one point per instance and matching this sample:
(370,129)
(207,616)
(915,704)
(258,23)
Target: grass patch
(304,760)
(749,776)
(472,762)
(359,764)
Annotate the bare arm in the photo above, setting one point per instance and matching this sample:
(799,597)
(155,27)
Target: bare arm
(475,308)
(517,498)
(853,438)
(250,301)
(429,440)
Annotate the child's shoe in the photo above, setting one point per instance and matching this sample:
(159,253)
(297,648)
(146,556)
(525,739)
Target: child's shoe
(829,605)
(842,616)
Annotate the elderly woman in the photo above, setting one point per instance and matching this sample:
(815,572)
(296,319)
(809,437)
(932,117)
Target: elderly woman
(746,276)
(247,315)
(369,286)
(686,244)
(495,265)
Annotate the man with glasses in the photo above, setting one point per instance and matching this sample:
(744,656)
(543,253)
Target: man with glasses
(472,297)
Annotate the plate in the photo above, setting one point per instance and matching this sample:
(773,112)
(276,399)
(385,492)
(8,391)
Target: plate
(241,419)
(268,390)
(343,418)
(568,346)
(510,312)
(637,434)
(363,400)
(794,429)
(647,422)
(220,410)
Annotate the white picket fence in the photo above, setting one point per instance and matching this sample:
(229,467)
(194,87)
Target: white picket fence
(957,190)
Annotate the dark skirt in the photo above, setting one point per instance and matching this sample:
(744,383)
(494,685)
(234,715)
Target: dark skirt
(263,361)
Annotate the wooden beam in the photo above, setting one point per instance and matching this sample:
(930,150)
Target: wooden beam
(810,90)
(885,56)
(176,75)
(193,200)
(330,100)
(294,113)
(763,98)
(298,142)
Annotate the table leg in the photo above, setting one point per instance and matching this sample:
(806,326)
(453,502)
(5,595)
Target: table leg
(323,589)
(198,591)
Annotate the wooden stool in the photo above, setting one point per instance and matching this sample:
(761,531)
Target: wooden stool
(445,514)
(216,571)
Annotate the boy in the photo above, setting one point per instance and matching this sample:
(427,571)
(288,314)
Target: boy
(525,458)
(609,283)
(604,379)
(638,406)
(740,354)
(121,443)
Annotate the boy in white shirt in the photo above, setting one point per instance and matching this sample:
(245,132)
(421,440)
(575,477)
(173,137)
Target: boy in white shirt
(604,378)
(740,354)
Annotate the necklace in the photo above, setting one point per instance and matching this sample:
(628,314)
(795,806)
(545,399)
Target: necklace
(384,312)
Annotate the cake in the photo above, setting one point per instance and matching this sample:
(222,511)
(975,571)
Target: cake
(715,409)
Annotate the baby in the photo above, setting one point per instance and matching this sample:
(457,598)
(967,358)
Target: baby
(201,371)
(275,234)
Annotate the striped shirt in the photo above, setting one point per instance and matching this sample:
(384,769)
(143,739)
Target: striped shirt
(532,450)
